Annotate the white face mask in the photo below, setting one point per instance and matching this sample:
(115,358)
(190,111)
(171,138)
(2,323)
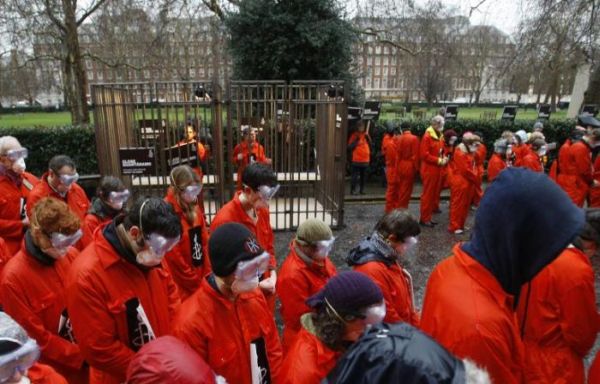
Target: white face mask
(117,199)
(244,285)
(542,151)
(407,247)
(190,193)
(375,314)
(473,148)
(19,166)
(56,253)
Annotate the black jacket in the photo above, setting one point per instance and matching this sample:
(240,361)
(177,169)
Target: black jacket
(372,248)
(397,353)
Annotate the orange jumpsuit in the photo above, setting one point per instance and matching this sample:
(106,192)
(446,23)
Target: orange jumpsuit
(234,212)
(308,361)
(221,331)
(495,166)
(480,157)
(397,290)
(251,153)
(520,152)
(407,147)
(93,222)
(575,173)
(466,310)
(297,281)
(390,153)
(43,374)
(463,181)
(105,296)
(431,172)
(14,195)
(76,199)
(561,322)
(362,152)
(188,261)
(532,161)
(33,293)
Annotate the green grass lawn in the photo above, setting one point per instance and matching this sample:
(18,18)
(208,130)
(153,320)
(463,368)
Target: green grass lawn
(49,119)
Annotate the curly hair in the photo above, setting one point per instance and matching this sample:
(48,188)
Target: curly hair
(49,216)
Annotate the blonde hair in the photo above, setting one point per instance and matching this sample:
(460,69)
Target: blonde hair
(182,176)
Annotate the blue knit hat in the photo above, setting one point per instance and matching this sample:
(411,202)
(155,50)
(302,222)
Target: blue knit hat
(347,292)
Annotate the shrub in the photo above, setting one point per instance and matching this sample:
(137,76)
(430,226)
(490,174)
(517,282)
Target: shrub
(44,143)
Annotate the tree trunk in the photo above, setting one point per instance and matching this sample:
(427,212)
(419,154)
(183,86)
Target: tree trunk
(78,104)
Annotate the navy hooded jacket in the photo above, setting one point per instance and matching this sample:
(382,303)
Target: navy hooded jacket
(397,353)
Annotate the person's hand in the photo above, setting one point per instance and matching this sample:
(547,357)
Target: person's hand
(268,284)
(240,157)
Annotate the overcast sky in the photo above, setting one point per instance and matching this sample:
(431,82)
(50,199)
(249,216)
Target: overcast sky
(503,14)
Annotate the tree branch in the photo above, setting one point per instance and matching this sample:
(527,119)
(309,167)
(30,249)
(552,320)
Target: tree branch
(90,11)
(52,17)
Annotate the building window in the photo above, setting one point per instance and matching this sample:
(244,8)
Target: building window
(377,71)
(377,60)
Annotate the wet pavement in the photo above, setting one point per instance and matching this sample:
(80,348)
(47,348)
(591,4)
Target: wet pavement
(434,245)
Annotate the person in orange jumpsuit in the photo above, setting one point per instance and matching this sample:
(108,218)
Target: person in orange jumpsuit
(304,272)
(111,196)
(348,304)
(480,157)
(191,137)
(118,296)
(520,148)
(15,187)
(576,171)
(380,256)
(407,166)
(32,287)
(500,159)
(249,151)
(450,143)
(188,261)
(464,176)
(558,331)
(19,355)
(250,207)
(227,321)
(471,296)
(390,154)
(60,182)
(359,143)
(168,360)
(533,159)
(594,193)
(432,162)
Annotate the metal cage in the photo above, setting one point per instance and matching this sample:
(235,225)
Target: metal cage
(302,126)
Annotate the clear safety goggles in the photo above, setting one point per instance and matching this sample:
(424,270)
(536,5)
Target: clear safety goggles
(16,154)
(69,179)
(160,244)
(325,246)
(19,360)
(193,190)
(266,193)
(119,197)
(60,240)
(250,269)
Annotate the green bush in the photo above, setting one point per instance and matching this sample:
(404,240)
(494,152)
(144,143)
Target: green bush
(554,130)
(44,143)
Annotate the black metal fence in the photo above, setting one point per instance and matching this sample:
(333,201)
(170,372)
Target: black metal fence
(302,126)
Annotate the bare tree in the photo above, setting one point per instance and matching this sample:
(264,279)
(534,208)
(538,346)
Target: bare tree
(55,25)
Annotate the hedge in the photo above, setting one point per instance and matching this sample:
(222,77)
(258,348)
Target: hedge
(44,143)
(79,143)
